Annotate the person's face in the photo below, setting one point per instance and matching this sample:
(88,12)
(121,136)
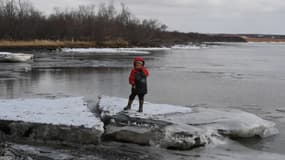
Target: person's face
(138,65)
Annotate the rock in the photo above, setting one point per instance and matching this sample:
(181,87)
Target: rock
(177,127)
(7,152)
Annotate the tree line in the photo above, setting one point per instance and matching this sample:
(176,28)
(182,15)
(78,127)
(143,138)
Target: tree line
(20,20)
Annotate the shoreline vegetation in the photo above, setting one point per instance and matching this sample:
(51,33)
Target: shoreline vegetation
(22,26)
(118,43)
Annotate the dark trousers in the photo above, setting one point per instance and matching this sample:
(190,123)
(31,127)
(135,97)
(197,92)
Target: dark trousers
(134,94)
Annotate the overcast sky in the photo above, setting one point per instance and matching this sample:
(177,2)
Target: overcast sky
(207,16)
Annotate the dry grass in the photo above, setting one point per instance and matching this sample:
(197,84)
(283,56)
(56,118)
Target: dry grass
(114,43)
(249,39)
(46,43)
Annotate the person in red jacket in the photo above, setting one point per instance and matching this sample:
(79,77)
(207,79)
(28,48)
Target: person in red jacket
(138,81)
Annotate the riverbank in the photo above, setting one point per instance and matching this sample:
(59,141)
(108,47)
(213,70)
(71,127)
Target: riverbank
(51,44)
(167,41)
(252,39)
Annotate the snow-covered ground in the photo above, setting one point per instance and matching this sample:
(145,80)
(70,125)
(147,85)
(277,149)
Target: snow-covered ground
(63,111)
(113,105)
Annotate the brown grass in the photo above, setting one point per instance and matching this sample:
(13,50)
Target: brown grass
(59,44)
(46,43)
(250,39)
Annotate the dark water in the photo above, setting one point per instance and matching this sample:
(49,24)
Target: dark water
(250,77)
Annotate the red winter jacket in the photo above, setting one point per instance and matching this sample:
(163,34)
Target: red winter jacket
(133,73)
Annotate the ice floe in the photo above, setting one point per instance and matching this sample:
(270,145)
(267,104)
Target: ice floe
(171,126)
(15,57)
(63,111)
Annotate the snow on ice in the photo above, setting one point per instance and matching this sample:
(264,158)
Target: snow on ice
(63,111)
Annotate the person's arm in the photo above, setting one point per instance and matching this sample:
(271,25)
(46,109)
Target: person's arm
(132,78)
(145,71)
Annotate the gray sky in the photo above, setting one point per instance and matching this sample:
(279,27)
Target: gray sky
(207,16)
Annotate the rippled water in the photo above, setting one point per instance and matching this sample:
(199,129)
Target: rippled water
(250,77)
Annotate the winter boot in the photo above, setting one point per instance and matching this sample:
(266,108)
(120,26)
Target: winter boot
(141,105)
(128,107)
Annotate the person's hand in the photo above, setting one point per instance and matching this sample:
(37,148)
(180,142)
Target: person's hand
(133,86)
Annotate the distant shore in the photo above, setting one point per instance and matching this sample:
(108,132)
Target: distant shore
(55,44)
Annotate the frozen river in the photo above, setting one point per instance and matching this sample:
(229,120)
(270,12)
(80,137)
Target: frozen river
(250,77)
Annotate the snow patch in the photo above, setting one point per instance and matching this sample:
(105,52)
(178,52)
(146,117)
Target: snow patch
(104,50)
(147,49)
(113,105)
(63,111)
(188,47)
(5,53)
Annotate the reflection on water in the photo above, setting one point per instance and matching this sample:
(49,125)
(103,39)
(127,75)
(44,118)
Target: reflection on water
(85,82)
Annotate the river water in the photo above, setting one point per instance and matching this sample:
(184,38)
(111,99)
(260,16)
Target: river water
(246,76)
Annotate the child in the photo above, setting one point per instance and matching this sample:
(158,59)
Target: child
(138,79)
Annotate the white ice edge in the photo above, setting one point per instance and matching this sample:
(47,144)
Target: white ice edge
(147,49)
(18,54)
(190,47)
(5,53)
(63,111)
(104,50)
(115,50)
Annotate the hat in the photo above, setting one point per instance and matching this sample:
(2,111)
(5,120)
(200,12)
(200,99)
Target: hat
(138,59)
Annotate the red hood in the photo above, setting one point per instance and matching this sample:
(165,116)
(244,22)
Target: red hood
(136,59)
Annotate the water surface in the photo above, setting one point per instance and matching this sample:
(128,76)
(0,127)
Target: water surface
(250,77)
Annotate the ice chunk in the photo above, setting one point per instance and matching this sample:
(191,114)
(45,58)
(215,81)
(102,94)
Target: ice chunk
(234,123)
(5,53)
(63,111)
(177,127)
